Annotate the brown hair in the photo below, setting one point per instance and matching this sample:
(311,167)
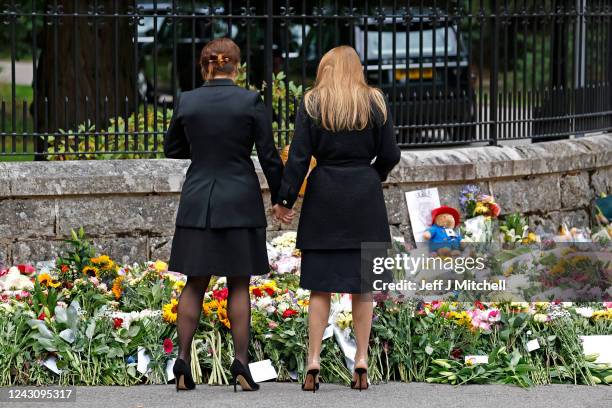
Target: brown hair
(220,55)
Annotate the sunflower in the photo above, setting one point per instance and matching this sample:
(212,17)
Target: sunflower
(222,315)
(47,280)
(117,288)
(104,262)
(90,270)
(169,311)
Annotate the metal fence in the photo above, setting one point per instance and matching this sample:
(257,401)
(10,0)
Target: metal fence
(105,72)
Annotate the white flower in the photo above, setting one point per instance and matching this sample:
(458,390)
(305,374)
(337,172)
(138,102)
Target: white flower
(585,311)
(15,280)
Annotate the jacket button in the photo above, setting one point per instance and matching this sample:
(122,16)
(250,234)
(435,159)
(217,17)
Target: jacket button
(284,201)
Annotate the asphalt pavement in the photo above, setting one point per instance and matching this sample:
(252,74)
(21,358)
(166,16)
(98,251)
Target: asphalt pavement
(378,396)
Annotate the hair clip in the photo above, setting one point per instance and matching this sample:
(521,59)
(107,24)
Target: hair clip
(220,59)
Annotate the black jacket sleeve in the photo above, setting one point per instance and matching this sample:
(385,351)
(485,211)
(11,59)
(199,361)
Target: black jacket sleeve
(269,158)
(298,163)
(388,154)
(176,145)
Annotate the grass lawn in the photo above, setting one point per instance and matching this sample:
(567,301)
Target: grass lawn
(23,93)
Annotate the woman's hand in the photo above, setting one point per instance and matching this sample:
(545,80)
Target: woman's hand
(283,214)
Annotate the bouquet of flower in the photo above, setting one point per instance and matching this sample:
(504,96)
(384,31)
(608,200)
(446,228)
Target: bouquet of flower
(474,203)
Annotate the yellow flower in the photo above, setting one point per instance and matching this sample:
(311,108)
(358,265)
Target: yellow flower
(602,314)
(47,280)
(460,318)
(178,285)
(169,311)
(509,271)
(206,308)
(117,288)
(104,262)
(160,266)
(90,270)
(222,315)
(303,303)
(344,320)
(481,208)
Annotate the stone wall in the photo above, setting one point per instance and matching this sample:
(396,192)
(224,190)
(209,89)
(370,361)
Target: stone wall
(128,207)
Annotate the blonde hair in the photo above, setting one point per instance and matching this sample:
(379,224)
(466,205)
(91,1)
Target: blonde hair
(341,98)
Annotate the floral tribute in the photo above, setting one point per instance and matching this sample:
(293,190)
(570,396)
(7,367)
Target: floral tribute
(87,319)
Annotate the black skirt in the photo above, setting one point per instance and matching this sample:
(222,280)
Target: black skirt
(219,251)
(331,270)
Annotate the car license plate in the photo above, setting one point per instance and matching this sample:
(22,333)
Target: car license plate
(413,73)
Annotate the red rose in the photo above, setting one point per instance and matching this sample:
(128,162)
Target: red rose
(64,268)
(479,305)
(269,291)
(168,346)
(288,313)
(257,292)
(117,322)
(41,316)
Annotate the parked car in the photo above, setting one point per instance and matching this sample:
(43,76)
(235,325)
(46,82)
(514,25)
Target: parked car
(431,85)
(426,68)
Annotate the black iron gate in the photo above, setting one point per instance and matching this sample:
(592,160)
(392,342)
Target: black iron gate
(104,73)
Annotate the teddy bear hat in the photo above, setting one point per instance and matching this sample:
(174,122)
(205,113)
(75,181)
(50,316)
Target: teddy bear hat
(445,210)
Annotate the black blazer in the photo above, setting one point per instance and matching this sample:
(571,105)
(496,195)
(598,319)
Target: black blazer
(216,126)
(343,204)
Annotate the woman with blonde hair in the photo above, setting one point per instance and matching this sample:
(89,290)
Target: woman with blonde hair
(346,125)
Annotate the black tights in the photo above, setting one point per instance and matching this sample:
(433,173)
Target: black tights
(239,314)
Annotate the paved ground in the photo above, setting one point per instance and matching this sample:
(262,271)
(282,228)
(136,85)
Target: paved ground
(381,396)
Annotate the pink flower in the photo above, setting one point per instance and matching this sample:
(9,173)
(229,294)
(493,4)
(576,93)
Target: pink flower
(26,269)
(479,320)
(3,271)
(168,346)
(494,316)
(607,305)
(272,325)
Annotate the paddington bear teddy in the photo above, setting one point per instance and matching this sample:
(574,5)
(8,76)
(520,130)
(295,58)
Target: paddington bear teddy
(442,236)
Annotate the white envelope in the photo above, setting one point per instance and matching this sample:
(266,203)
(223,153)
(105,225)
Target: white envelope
(262,371)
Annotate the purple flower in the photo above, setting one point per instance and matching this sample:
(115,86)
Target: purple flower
(468,193)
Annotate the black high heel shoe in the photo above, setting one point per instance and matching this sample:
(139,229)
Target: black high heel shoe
(182,375)
(314,386)
(357,385)
(241,375)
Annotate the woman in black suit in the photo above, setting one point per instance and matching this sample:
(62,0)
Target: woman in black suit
(220,223)
(346,125)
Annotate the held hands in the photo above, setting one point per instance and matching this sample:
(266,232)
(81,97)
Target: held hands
(283,214)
